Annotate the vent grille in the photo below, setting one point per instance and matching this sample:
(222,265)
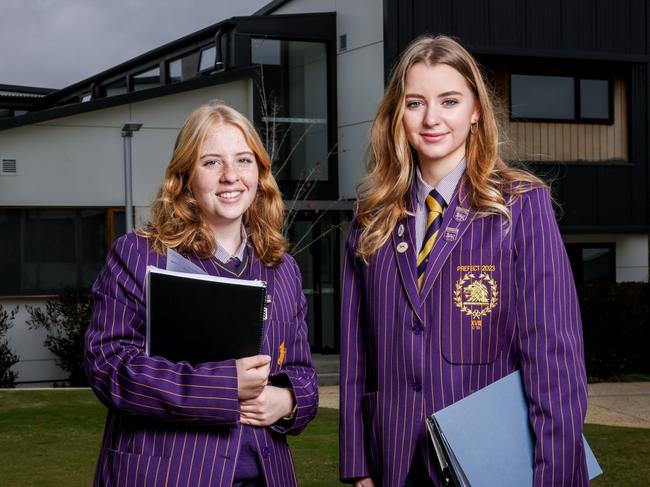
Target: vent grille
(9,166)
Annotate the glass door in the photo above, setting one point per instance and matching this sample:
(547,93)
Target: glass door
(314,238)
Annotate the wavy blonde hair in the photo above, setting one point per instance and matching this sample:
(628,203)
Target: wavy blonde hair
(391,167)
(176,221)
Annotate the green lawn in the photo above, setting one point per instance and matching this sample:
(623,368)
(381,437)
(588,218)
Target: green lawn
(51,438)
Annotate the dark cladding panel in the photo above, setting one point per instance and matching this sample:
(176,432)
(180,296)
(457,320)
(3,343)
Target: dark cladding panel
(639,137)
(391,34)
(637,118)
(579,25)
(578,197)
(544,24)
(637,27)
(507,22)
(470,22)
(598,26)
(613,25)
(431,17)
(614,198)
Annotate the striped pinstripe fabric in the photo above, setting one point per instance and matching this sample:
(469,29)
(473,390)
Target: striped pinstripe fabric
(174,424)
(494,299)
(436,205)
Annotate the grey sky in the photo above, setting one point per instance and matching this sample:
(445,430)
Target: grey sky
(54,43)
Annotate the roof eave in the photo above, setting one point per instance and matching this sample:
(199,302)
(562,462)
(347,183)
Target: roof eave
(135,96)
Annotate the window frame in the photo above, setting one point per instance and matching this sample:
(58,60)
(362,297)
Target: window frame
(110,236)
(132,78)
(578,119)
(573,248)
(321,28)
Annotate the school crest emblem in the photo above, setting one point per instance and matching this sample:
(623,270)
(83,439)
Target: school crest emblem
(476,294)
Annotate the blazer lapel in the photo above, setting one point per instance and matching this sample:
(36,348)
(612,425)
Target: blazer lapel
(455,223)
(405,254)
(260,271)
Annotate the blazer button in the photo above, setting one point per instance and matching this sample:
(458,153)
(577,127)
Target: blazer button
(417,328)
(416,387)
(266,451)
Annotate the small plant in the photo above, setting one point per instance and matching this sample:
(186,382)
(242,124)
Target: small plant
(8,377)
(65,320)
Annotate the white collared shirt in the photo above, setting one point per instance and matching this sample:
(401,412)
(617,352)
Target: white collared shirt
(224,256)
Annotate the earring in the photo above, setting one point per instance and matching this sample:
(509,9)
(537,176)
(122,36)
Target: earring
(473,127)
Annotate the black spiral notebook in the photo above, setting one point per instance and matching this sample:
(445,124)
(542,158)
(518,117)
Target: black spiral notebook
(199,318)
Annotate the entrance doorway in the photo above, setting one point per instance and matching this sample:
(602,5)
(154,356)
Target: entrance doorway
(314,238)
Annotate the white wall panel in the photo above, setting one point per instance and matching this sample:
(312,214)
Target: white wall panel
(63,165)
(152,150)
(360,83)
(362,22)
(108,117)
(353,141)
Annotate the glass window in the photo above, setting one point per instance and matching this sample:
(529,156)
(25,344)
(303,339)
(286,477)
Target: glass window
(116,87)
(147,79)
(49,250)
(559,98)
(546,97)
(314,238)
(265,51)
(184,68)
(208,57)
(294,108)
(44,251)
(10,251)
(592,262)
(594,98)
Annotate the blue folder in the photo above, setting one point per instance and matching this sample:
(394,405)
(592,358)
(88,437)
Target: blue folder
(485,439)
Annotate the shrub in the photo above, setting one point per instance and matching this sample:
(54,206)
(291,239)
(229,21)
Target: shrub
(616,327)
(7,357)
(65,320)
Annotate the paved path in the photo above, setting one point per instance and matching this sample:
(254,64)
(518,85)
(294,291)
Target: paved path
(613,404)
(619,404)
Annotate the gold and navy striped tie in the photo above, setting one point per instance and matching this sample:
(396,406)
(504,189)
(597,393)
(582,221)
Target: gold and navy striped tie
(436,205)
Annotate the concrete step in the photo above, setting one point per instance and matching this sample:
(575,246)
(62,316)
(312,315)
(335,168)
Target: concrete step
(328,379)
(327,368)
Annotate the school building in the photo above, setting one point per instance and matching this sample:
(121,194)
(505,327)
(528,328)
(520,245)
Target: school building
(571,79)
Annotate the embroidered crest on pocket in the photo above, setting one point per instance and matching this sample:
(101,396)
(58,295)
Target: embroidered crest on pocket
(476,296)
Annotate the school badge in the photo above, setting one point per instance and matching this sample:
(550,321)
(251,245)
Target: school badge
(476,296)
(282,354)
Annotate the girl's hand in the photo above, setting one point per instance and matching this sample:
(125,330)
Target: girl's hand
(252,375)
(267,408)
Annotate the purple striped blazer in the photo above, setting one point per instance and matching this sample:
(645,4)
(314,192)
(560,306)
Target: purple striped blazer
(496,297)
(177,425)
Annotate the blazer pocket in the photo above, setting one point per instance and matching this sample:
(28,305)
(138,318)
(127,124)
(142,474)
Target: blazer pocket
(478,293)
(130,469)
(372,423)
